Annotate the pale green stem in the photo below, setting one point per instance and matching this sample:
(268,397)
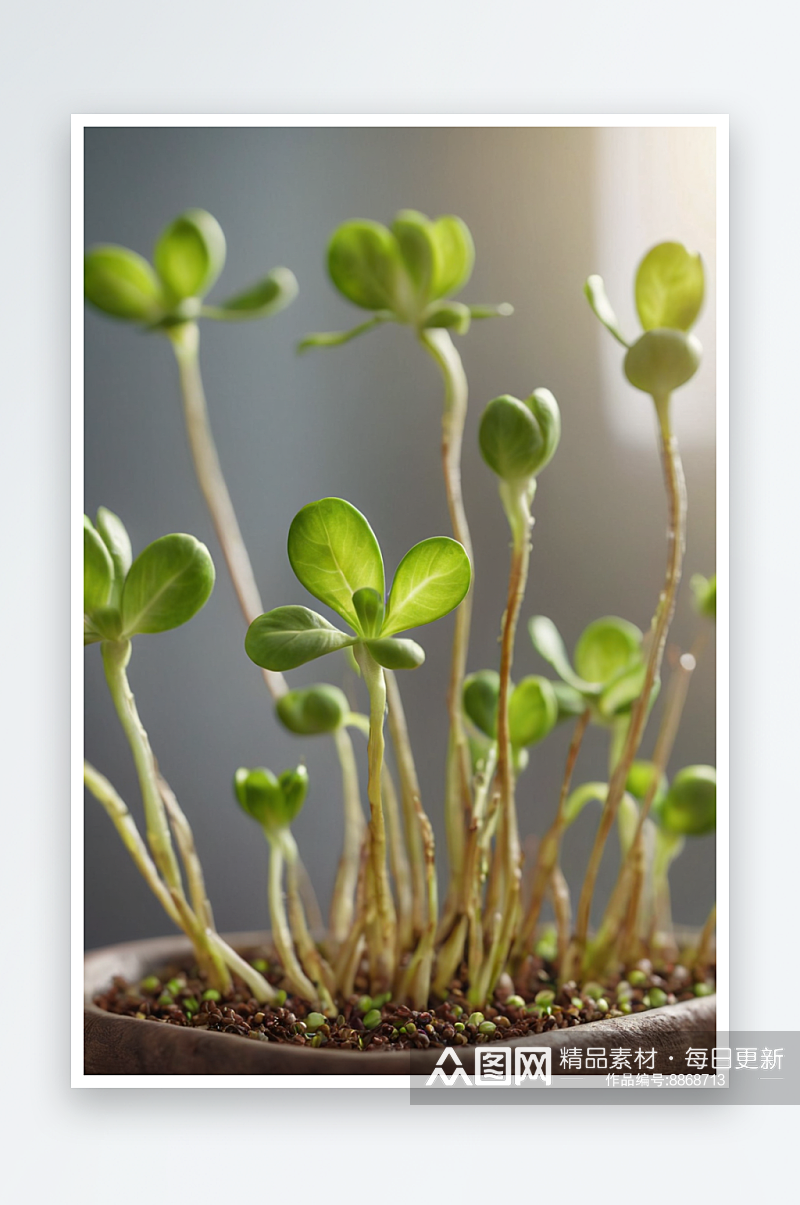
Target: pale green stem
(676,498)
(343,900)
(125,825)
(195,880)
(668,847)
(315,965)
(281,933)
(562,909)
(417,980)
(450,957)
(410,797)
(262,991)
(440,345)
(383,935)
(517,499)
(116,656)
(185,340)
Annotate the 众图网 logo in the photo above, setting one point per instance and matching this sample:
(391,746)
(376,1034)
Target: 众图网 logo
(493,1067)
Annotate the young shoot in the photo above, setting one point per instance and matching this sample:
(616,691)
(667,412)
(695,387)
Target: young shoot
(168,297)
(407,274)
(517,439)
(274,803)
(163,588)
(335,555)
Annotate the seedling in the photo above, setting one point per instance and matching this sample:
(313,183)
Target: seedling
(163,588)
(384,908)
(335,555)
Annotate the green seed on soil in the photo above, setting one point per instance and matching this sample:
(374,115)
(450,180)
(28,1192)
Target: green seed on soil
(261,965)
(601,1005)
(533,1010)
(593,990)
(624,1006)
(410,1027)
(487,1027)
(624,990)
(165,998)
(379,1001)
(703,989)
(456,1010)
(657,997)
(577,1002)
(190,1005)
(637,978)
(176,985)
(476,1019)
(364,1004)
(151,984)
(372,1019)
(515,1002)
(211,993)
(319,1039)
(280,997)
(544,998)
(314,1020)
(459,1026)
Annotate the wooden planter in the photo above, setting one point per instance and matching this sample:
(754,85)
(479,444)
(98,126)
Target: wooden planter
(116,1045)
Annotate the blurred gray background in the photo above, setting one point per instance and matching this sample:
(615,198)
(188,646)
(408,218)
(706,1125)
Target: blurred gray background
(546,207)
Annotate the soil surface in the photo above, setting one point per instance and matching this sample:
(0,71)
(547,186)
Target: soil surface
(533,1005)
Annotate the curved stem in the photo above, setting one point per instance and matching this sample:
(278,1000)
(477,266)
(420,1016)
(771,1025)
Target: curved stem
(383,935)
(125,825)
(116,655)
(676,537)
(185,340)
(398,862)
(315,965)
(281,933)
(343,900)
(440,346)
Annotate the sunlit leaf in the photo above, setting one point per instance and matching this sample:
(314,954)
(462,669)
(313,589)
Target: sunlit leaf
(289,636)
(392,653)
(334,553)
(364,264)
(595,291)
(121,283)
(669,287)
(690,806)
(190,254)
(113,534)
(606,647)
(166,585)
(98,569)
(268,296)
(432,578)
(548,643)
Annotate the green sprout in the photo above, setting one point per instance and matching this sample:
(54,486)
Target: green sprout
(274,803)
(335,555)
(407,274)
(168,297)
(163,588)
(384,912)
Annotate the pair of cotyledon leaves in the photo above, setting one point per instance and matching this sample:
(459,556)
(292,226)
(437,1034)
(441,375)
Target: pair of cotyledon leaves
(168,583)
(188,258)
(404,273)
(532,707)
(609,669)
(273,802)
(669,291)
(687,807)
(335,555)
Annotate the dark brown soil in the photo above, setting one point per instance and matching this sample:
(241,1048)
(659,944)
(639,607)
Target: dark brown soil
(451,1023)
